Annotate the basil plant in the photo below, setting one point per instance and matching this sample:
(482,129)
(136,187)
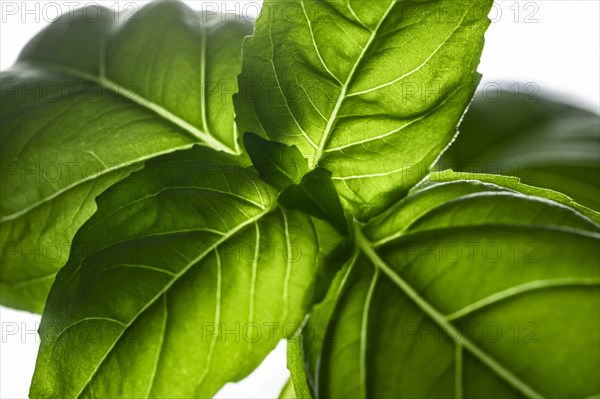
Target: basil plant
(182,190)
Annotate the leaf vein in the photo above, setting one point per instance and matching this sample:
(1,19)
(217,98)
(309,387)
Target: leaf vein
(420,66)
(437,317)
(522,289)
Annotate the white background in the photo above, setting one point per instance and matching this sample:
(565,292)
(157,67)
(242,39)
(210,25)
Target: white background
(553,44)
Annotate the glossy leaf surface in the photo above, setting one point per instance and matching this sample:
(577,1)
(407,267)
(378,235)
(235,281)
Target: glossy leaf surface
(189,278)
(372,91)
(464,289)
(90,99)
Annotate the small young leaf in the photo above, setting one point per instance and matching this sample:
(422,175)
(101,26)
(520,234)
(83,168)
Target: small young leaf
(286,169)
(317,196)
(278,164)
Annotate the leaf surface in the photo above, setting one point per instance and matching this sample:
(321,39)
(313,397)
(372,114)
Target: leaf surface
(90,100)
(184,280)
(372,91)
(464,289)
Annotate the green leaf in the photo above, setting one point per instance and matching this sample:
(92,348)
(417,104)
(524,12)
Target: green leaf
(278,164)
(284,168)
(514,183)
(189,271)
(371,91)
(317,196)
(545,143)
(89,101)
(464,289)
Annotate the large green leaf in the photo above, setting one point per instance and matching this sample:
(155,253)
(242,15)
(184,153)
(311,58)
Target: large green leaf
(90,100)
(185,278)
(544,142)
(463,289)
(371,90)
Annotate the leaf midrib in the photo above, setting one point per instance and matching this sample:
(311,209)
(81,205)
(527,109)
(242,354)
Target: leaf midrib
(116,88)
(343,93)
(366,247)
(342,96)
